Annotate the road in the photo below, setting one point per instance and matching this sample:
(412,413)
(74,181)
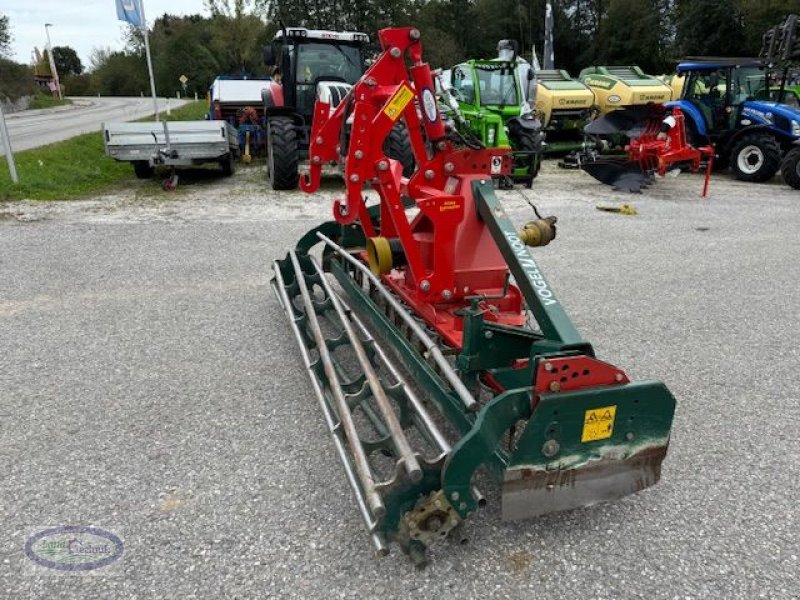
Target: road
(33,128)
(150,384)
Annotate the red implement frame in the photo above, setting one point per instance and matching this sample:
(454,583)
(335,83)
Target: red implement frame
(654,155)
(449,253)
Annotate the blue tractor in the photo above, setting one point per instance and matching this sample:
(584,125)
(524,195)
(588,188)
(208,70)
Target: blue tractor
(727,102)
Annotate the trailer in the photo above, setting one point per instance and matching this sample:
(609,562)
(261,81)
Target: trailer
(172,144)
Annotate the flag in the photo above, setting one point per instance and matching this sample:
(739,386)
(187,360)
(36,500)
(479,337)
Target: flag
(549,54)
(130,11)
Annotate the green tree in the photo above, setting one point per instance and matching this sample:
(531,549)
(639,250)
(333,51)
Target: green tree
(709,28)
(79,85)
(237,35)
(67,61)
(16,80)
(630,33)
(186,50)
(759,15)
(121,74)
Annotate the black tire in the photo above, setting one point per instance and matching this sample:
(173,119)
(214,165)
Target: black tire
(790,168)
(755,157)
(228,164)
(398,147)
(282,154)
(531,142)
(142,169)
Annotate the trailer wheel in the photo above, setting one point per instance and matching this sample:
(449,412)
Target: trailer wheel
(228,164)
(755,158)
(398,147)
(142,169)
(790,168)
(282,154)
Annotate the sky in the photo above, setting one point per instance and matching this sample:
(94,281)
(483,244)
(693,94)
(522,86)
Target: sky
(81,24)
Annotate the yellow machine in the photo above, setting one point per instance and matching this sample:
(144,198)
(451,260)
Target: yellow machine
(558,95)
(615,87)
(675,82)
(564,105)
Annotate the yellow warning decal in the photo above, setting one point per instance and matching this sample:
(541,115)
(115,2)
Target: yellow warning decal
(598,423)
(398,102)
(449,205)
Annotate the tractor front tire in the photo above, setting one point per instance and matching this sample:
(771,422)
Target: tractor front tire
(531,142)
(142,169)
(755,158)
(790,168)
(398,147)
(282,154)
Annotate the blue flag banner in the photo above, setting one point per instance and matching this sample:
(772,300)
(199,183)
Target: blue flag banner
(130,11)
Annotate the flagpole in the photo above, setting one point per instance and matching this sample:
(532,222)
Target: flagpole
(149,59)
(549,51)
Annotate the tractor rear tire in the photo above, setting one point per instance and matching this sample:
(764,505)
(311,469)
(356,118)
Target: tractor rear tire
(398,147)
(228,164)
(790,168)
(143,169)
(755,158)
(282,154)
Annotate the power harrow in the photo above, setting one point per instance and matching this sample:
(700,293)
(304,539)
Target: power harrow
(435,344)
(657,144)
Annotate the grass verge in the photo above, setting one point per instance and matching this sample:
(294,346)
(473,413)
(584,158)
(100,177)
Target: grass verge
(74,168)
(46,101)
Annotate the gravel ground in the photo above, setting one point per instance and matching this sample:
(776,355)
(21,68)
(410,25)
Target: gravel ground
(151,386)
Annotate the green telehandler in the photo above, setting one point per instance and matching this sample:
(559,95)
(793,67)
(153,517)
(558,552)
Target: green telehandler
(485,100)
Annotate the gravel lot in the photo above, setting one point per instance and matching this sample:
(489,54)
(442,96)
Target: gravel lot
(150,385)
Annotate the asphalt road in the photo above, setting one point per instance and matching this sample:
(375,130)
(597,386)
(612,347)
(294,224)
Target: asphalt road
(149,384)
(34,128)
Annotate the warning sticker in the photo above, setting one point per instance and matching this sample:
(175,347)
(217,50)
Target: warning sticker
(398,102)
(449,205)
(598,423)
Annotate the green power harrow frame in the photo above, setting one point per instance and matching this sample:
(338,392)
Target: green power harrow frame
(555,426)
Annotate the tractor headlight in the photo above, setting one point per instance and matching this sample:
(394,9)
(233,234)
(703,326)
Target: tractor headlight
(490,136)
(613,99)
(795,128)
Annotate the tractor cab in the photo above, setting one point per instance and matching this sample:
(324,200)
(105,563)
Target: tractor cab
(491,106)
(306,63)
(728,102)
(488,84)
(307,57)
(721,89)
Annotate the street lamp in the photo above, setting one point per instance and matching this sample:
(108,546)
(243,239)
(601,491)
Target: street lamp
(53,70)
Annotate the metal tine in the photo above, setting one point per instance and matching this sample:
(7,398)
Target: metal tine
(430,346)
(423,414)
(333,425)
(406,454)
(346,419)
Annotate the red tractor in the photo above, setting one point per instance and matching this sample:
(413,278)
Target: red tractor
(307,64)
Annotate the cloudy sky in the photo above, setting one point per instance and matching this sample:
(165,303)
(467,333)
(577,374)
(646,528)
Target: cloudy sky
(81,24)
